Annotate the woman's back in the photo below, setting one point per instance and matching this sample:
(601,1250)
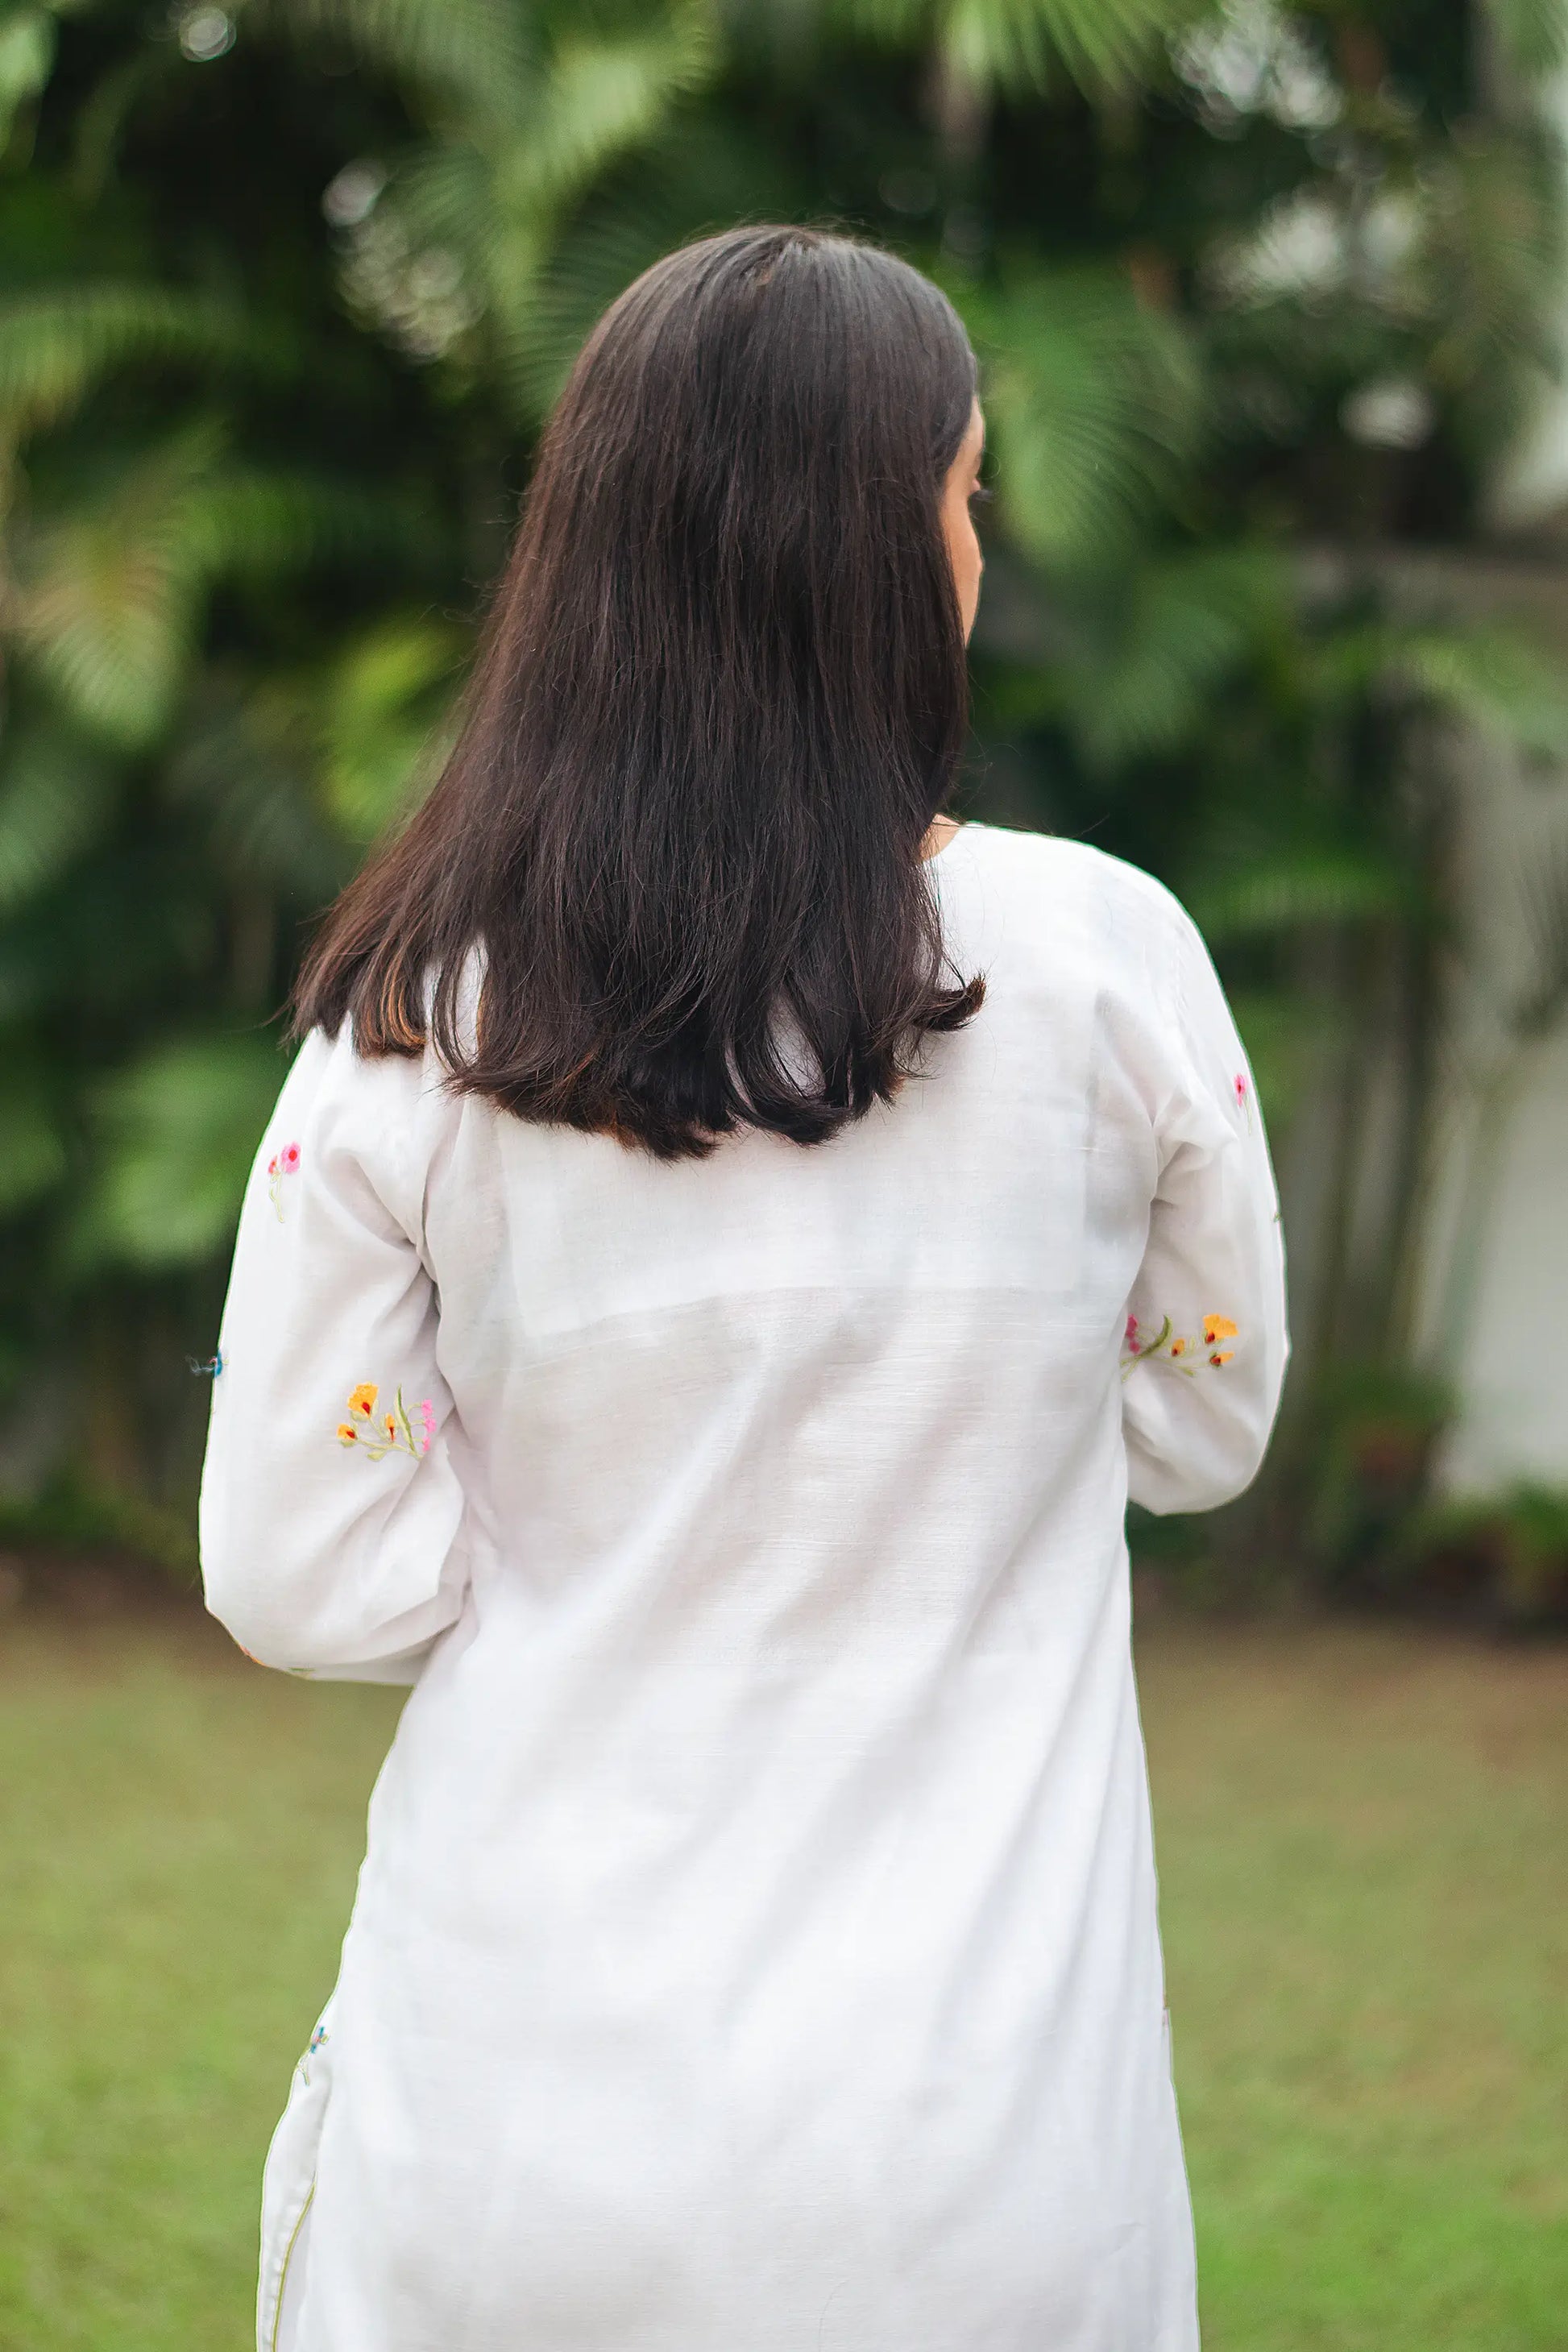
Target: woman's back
(756,1947)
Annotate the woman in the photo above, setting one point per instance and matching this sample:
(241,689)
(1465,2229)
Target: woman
(755,1949)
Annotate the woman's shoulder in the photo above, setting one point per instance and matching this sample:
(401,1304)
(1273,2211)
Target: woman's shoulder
(1050,873)
(387,1114)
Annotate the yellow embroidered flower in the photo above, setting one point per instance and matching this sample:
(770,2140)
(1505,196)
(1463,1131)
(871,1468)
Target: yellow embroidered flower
(1183,1352)
(377,1434)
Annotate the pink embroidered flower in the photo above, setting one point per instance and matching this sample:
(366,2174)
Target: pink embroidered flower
(428,1415)
(1132,1335)
(285,1162)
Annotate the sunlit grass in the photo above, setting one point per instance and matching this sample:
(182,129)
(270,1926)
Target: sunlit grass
(1365,1891)
(181,1834)
(1365,1897)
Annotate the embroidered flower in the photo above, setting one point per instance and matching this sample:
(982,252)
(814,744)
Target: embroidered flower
(393,1433)
(428,1415)
(1179,1347)
(283,1162)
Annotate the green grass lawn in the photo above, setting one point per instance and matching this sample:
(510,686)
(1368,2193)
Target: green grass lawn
(1365,1882)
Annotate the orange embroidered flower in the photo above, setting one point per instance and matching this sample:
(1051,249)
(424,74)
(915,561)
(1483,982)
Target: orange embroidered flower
(391,1431)
(1182,1351)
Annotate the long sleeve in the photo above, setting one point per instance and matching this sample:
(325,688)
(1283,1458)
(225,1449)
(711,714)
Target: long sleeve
(1206,1344)
(331,1511)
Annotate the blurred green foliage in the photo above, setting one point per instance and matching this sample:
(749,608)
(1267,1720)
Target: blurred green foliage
(286,290)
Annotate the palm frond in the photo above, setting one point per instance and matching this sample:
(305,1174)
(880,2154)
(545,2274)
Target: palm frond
(1096,404)
(1499,680)
(698,175)
(108,592)
(1107,44)
(478,55)
(604,96)
(1185,623)
(55,347)
(1011,45)
(1493,677)
(468,224)
(997,44)
(244,772)
(102,605)
(56,793)
(383,733)
(1292,888)
(177,1130)
(250,522)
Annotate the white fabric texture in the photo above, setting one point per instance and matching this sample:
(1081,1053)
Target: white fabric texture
(756,1948)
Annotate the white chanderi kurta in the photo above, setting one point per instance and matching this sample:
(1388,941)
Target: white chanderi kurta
(756,1948)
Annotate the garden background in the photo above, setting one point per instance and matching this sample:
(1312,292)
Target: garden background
(1271,306)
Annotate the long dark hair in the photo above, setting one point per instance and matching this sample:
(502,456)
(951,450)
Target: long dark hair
(721,698)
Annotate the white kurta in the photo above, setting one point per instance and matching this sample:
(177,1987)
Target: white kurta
(756,1948)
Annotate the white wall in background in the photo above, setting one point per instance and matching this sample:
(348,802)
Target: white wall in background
(1500,1275)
